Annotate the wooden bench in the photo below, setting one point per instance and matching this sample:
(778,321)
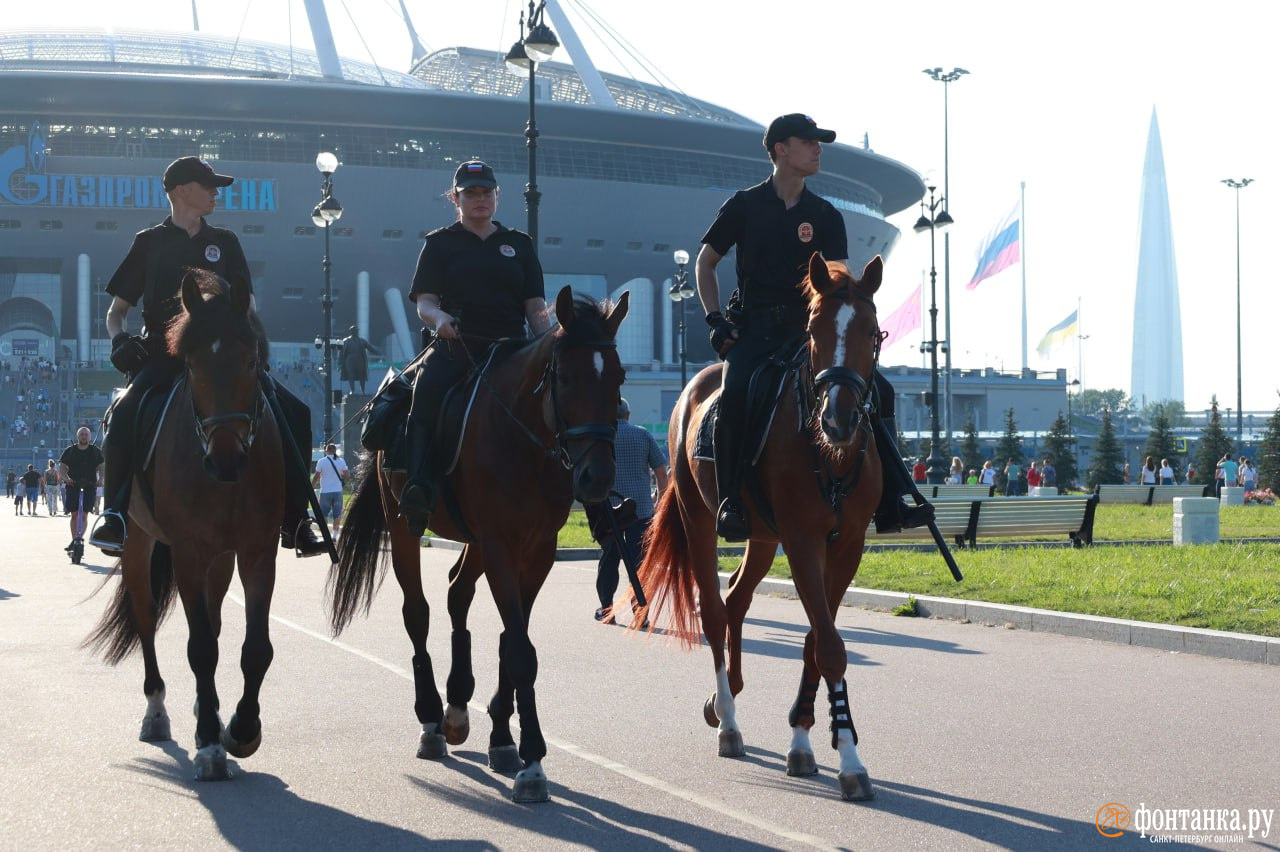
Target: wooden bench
(948,491)
(1149,495)
(964,520)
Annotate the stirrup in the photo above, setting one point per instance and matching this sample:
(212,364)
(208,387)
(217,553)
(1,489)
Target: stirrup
(98,536)
(731,521)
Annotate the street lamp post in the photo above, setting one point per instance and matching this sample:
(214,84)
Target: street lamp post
(1071,431)
(946,78)
(681,291)
(1238,185)
(935,470)
(536,45)
(325,214)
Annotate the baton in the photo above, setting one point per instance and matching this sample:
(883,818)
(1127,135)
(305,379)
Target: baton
(289,445)
(945,550)
(627,559)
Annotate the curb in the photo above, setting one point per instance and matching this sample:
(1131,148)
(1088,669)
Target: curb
(1143,634)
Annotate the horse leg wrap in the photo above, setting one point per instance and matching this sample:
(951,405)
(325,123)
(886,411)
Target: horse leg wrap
(840,715)
(802,712)
(426,703)
(461,685)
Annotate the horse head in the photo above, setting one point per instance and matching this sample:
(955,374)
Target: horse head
(223,346)
(844,343)
(585,377)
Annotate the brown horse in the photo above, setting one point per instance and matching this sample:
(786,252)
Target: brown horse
(820,478)
(539,436)
(218,491)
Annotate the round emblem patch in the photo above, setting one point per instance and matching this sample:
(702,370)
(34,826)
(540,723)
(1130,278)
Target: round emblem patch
(507,251)
(212,253)
(805,232)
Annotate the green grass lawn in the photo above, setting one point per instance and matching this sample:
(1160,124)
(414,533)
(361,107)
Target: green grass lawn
(1234,587)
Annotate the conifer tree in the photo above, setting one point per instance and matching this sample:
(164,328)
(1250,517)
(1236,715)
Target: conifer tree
(1160,442)
(1268,457)
(1108,457)
(971,447)
(1214,444)
(1008,447)
(1060,449)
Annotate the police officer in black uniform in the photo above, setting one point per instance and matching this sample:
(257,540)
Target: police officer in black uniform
(477,281)
(151,274)
(777,226)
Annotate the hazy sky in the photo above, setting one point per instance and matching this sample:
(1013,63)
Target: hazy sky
(1059,96)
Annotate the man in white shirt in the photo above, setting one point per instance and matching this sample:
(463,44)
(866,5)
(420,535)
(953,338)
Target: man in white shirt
(331,472)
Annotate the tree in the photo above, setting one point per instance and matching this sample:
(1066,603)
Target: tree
(1160,442)
(971,447)
(1268,457)
(1214,444)
(1173,409)
(1093,402)
(1008,447)
(1108,457)
(1060,449)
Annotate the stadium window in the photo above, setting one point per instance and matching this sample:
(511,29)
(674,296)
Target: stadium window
(634,245)
(595,244)
(552,241)
(392,234)
(51,224)
(254,229)
(10,224)
(342,232)
(663,247)
(293,293)
(105,225)
(304,231)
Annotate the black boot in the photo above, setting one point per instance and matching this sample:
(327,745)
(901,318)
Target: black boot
(298,533)
(109,532)
(894,515)
(418,498)
(731,518)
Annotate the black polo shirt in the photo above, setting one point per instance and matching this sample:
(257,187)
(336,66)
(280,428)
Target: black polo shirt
(151,273)
(481,283)
(82,465)
(774,243)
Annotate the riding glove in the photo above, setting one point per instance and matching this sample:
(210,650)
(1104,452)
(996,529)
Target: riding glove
(723,332)
(128,352)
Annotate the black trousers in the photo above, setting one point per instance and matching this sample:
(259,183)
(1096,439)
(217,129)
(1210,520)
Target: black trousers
(611,556)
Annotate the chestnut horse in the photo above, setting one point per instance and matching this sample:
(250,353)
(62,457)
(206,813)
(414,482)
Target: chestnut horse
(539,436)
(820,476)
(218,487)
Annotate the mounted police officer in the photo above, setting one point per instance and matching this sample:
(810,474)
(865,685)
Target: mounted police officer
(777,226)
(151,275)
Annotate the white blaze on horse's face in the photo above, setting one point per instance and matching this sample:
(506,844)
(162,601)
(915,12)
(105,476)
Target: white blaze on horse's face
(844,320)
(598,360)
(217,344)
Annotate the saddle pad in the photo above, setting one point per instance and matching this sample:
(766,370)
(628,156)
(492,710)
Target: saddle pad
(704,446)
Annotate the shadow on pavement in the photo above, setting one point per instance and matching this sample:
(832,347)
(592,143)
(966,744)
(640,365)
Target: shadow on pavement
(789,641)
(5,595)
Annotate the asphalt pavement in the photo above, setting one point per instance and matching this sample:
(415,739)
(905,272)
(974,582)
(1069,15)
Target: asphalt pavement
(976,736)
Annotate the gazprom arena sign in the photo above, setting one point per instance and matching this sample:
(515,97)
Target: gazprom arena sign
(23,181)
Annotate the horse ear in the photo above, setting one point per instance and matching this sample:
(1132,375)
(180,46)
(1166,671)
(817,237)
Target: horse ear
(872,274)
(240,294)
(564,307)
(618,314)
(191,298)
(819,275)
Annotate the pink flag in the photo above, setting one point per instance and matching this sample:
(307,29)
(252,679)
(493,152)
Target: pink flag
(904,320)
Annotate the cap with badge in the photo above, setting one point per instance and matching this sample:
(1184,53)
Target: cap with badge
(193,170)
(795,124)
(474,173)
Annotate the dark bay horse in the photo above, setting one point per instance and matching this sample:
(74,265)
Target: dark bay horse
(539,436)
(218,487)
(820,476)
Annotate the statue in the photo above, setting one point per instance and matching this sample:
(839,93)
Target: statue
(353,364)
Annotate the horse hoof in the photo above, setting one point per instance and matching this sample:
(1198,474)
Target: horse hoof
(211,764)
(530,787)
(155,728)
(709,712)
(801,763)
(234,746)
(856,787)
(731,744)
(431,746)
(505,759)
(457,725)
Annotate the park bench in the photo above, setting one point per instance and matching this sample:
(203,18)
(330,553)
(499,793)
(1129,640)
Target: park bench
(948,491)
(965,520)
(1148,495)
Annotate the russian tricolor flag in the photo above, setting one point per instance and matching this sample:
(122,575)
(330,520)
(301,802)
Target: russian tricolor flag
(1000,251)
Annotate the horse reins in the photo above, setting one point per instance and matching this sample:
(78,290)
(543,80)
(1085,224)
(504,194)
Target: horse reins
(207,426)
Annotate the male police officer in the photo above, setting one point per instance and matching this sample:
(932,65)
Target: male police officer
(777,226)
(152,274)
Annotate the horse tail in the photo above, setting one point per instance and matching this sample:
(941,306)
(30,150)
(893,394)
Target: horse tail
(666,574)
(116,635)
(355,577)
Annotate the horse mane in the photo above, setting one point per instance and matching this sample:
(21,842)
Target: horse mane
(218,319)
(840,275)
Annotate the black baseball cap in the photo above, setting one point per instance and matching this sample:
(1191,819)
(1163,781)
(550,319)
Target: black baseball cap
(795,124)
(474,173)
(193,170)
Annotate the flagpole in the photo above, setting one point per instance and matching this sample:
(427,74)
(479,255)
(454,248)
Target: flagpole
(1022,238)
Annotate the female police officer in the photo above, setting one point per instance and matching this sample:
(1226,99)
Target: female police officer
(476,281)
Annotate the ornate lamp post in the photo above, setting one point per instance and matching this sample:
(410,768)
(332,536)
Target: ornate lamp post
(1238,185)
(681,291)
(536,45)
(936,472)
(325,214)
(946,78)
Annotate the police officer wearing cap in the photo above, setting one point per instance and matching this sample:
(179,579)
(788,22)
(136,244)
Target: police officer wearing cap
(777,226)
(151,275)
(477,281)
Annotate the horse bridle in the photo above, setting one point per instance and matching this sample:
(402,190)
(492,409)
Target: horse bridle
(207,426)
(842,376)
(598,433)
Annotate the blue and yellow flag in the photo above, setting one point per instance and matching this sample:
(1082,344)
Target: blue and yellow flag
(1059,334)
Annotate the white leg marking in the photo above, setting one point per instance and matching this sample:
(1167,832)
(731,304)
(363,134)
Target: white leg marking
(724,701)
(155,704)
(800,739)
(850,763)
